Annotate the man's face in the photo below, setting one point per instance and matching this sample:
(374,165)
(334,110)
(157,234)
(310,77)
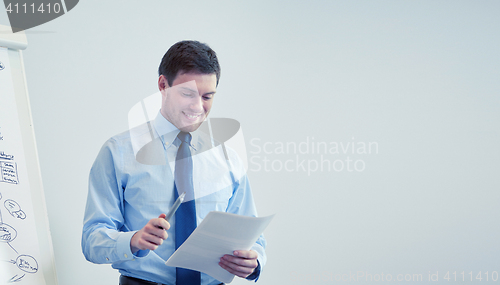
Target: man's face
(188,101)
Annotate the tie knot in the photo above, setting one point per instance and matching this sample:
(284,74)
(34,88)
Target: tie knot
(185,137)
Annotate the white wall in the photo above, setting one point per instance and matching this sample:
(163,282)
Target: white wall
(418,79)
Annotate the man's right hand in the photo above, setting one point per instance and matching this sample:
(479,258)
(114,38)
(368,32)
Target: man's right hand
(151,235)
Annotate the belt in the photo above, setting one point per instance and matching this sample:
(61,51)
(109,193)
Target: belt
(127,280)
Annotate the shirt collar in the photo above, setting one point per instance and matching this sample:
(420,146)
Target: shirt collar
(168,132)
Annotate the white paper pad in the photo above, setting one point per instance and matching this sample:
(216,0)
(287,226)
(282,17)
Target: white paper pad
(218,234)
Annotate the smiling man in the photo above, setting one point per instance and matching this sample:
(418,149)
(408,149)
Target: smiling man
(124,219)
(187,104)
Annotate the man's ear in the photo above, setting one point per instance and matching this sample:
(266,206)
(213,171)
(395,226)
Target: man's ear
(162,82)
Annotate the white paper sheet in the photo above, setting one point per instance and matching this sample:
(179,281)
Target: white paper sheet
(218,234)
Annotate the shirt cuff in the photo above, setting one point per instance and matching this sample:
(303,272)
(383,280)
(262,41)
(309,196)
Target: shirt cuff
(256,273)
(123,247)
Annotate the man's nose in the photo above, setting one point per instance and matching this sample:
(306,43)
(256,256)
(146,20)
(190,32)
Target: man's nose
(197,104)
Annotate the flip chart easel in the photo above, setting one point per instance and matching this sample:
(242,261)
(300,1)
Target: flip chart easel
(26,252)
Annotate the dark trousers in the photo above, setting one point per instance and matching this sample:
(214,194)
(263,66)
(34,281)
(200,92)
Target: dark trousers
(125,280)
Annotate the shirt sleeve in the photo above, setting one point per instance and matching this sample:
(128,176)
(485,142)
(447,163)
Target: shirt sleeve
(104,237)
(242,203)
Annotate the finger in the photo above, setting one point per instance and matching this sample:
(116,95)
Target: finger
(235,269)
(145,241)
(151,242)
(160,223)
(231,270)
(251,263)
(250,254)
(145,244)
(153,239)
(156,231)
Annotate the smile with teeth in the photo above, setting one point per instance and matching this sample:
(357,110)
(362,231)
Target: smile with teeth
(193,116)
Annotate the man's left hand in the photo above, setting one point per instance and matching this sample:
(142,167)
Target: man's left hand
(242,263)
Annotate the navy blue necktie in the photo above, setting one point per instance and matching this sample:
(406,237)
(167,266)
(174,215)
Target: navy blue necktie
(185,217)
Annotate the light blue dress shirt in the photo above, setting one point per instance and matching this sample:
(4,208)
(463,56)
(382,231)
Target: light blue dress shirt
(125,194)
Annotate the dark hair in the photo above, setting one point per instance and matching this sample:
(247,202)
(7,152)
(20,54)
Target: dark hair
(187,56)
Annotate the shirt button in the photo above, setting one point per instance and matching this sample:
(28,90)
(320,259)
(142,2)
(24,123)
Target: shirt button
(107,259)
(125,255)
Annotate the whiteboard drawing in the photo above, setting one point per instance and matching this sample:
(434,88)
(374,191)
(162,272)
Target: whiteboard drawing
(24,263)
(6,156)
(14,209)
(8,172)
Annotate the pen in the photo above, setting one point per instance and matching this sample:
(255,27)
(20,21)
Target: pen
(176,205)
